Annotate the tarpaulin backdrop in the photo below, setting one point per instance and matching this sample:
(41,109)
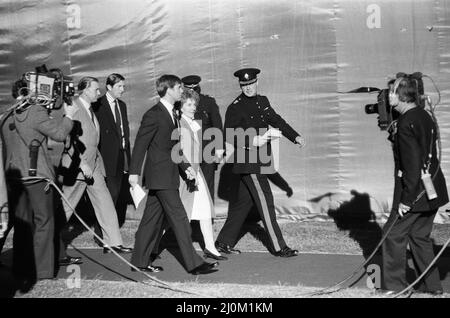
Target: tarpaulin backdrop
(308,51)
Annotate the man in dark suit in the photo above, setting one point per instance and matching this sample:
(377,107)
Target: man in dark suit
(162,178)
(114,145)
(209,114)
(249,117)
(415,155)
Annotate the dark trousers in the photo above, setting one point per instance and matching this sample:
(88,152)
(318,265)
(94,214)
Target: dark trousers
(34,228)
(209,171)
(254,191)
(164,205)
(415,229)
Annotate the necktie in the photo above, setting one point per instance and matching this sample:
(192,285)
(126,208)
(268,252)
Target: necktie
(175,117)
(92,115)
(118,119)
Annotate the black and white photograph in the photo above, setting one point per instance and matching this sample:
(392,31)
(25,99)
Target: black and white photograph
(225,156)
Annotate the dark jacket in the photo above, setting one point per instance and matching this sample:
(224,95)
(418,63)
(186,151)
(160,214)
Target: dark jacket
(254,112)
(110,137)
(414,141)
(19,130)
(209,114)
(154,138)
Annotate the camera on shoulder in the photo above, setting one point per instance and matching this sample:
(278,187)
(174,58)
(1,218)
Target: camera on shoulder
(49,88)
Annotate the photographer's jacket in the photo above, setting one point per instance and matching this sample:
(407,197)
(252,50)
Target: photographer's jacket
(19,130)
(247,113)
(414,141)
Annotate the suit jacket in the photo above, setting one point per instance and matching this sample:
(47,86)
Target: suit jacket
(87,140)
(19,130)
(110,138)
(257,113)
(158,138)
(209,114)
(414,141)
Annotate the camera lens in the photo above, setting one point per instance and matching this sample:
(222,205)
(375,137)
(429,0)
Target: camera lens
(371,109)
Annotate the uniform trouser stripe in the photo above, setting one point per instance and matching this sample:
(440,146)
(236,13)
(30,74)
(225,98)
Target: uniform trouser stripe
(265,213)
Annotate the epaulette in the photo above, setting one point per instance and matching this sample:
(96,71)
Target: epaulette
(237,100)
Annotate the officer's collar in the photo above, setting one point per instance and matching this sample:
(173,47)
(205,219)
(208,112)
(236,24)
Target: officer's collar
(246,97)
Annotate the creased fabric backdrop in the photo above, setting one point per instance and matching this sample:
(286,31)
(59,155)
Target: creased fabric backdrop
(308,51)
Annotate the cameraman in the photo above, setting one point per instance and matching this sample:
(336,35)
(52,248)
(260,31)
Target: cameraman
(30,200)
(414,147)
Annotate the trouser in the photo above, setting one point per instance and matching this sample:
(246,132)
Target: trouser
(254,191)
(161,206)
(102,203)
(34,229)
(414,229)
(118,187)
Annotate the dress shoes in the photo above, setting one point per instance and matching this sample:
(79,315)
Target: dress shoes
(208,254)
(70,260)
(205,268)
(118,249)
(227,249)
(149,269)
(286,252)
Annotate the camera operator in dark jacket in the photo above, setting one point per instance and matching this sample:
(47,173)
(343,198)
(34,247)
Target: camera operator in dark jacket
(25,131)
(415,155)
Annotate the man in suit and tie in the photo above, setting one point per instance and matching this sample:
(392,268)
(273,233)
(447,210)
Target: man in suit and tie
(90,171)
(162,178)
(114,146)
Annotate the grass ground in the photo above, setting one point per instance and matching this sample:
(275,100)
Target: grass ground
(313,237)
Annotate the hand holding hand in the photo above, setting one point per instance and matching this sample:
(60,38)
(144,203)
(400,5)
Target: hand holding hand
(190,173)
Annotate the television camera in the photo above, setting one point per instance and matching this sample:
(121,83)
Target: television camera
(48,88)
(386,114)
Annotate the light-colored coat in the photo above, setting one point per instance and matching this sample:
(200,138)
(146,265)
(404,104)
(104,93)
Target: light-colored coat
(192,151)
(90,138)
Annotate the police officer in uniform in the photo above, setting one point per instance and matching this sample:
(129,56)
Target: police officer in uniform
(208,113)
(252,114)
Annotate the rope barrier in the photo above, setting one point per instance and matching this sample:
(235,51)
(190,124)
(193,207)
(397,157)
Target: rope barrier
(159,283)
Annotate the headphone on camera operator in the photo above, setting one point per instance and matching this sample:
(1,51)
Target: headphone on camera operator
(407,92)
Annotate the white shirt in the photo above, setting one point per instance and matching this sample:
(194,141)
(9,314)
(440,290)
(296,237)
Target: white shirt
(112,105)
(169,108)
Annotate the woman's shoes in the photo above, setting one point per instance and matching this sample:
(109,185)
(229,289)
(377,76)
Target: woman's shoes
(213,256)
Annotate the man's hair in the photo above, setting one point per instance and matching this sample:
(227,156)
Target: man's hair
(85,82)
(190,94)
(407,90)
(113,79)
(165,82)
(16,89)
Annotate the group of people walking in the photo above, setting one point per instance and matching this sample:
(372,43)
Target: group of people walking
(181,157)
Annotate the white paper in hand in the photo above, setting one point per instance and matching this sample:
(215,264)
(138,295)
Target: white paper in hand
(137,194)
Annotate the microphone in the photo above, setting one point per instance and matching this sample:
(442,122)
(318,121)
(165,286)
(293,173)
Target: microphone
(34,150)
